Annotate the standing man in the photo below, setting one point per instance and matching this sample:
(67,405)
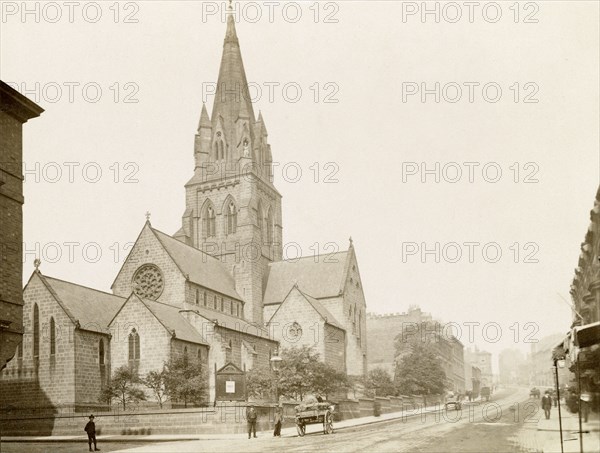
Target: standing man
(278,421)
(547,404)
(90,429)
(251,417)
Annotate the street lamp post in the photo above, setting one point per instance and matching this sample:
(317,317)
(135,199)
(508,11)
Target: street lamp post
(558,398)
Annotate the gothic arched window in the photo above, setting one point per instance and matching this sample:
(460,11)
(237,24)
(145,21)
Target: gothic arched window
(269,226)
(359,323)
(259,220)
(231,218)
(52,336)
(134,348)
(36,331)
(218,147)
(101,352)
(208,222)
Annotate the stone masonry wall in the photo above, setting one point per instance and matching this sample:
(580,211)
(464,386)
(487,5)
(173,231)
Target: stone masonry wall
(335,347)
(155,340)
(148,249)
(297,309)
(48,380)
(90,375)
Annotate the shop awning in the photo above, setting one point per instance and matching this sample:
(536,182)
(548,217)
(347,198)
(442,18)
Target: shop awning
(587,335)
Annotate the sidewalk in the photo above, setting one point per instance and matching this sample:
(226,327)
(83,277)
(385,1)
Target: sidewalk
(285,432)
(550,430)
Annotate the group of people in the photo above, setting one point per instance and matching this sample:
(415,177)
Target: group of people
(252,417)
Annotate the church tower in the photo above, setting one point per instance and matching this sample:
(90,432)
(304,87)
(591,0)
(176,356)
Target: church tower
(233,210)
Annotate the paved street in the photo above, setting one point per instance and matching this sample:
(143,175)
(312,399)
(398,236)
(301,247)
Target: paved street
(420,433)
(511,422)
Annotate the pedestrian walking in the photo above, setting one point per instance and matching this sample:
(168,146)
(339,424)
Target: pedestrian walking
(586,399)
(278,421)
(251,417)
(547,404)
(90,429)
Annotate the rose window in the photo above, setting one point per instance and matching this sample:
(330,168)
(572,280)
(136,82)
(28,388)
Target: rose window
(148,282)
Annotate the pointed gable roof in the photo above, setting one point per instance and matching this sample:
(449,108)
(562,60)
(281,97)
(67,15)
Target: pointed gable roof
(90,308)
(199,267)
(321,276)
(316,305)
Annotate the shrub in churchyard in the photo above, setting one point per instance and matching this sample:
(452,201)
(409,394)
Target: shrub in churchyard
(260,382)
(124,388)
(155,381)
(186,380)
(302,373)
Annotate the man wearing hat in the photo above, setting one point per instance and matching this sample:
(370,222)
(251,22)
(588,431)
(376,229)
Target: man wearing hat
(547,404)
(90,429)
(251,417)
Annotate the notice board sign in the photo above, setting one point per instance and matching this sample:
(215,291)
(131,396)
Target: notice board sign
(230,384)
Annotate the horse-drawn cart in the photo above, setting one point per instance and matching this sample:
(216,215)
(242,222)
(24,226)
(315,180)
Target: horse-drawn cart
(313,413)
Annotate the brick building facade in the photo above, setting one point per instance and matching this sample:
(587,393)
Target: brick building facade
(483,361)
(384,330)
(585,294)
(15,110)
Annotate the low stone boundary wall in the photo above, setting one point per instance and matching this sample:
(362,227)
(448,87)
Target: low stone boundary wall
(220,419)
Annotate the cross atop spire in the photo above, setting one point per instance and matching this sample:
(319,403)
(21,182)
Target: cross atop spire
(148,216)
(231,34)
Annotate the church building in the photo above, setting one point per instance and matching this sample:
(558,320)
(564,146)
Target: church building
(217,291)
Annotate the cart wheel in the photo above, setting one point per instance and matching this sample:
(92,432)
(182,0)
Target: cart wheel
(301,429)
(328,423)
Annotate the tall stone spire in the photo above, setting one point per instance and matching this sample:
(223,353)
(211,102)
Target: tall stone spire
(232,99)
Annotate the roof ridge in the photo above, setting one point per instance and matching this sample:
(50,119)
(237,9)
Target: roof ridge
(161,303)
(56,297)
(308,256)
(83,286)
(160,321)
(187,245)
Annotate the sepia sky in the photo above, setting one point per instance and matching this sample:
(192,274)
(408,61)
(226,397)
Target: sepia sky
(540,131)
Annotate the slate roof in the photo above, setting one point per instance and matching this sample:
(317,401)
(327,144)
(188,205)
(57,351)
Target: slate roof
(92,308)
(321,276)
(231,322)
(173,321)
(323,312)
(201,268)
